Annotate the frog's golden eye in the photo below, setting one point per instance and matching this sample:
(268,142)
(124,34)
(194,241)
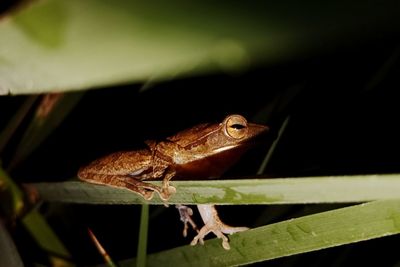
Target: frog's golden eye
(236,126)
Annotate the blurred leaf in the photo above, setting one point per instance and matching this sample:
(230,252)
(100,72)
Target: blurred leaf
(11,197)
(69,45)
(33,221)
(44,236)
(51,111)
(299,190)
(9,255)
(15,121)
(308,233)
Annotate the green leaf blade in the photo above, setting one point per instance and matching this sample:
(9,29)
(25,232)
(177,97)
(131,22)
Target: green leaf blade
(62,45)
(143,233)
(305,234)
(301,190)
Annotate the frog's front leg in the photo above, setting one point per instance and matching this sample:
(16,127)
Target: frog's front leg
(146,190)
(167,189)
(212,223)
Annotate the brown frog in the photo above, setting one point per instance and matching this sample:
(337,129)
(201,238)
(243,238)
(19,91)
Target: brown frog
(203,151)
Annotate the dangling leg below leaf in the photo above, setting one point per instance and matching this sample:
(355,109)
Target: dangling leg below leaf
(186,217)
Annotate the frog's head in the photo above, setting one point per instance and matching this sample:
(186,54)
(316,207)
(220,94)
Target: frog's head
(233,132)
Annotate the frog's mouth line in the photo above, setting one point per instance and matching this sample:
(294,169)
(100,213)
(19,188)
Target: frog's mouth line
(224,148)
(245,145)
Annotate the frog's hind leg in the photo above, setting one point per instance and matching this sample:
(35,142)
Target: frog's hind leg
(146,190)
(212,223)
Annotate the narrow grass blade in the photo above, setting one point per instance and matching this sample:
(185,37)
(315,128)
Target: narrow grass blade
(271,151)
(9,255)
(143,230)
(383,71)
(301,190)
(309,233)
(51,111)
(101,250)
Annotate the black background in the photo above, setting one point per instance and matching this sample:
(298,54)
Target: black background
(344,114)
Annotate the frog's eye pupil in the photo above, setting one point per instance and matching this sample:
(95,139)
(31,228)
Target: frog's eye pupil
(237,126)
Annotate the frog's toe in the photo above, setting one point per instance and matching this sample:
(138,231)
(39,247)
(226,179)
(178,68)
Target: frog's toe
(164,195)
(196,240)
(171,190)
(148,195)
(199,238)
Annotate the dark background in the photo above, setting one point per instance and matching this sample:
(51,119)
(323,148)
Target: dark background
(343,120)
(344,116)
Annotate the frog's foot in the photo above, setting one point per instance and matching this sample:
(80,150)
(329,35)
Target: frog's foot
(167,192)
(146,190)
(219,231)
(148,195)
(186,217)
(167,189)
(214,224)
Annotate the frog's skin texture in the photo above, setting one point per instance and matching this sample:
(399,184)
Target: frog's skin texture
(203,151)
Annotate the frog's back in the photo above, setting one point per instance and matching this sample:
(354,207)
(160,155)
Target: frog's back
(119,163)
